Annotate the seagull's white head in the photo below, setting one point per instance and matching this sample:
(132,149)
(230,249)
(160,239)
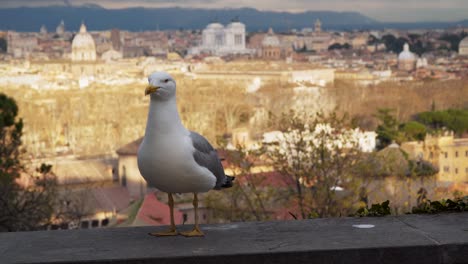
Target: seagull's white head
(161,86)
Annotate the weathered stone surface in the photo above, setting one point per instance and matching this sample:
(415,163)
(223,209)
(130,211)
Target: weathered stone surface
(404,239)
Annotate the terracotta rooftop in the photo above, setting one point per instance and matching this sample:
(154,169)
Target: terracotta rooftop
(155,213)
(109,199)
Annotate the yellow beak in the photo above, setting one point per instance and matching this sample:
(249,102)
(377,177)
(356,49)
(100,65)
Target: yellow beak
(150,89)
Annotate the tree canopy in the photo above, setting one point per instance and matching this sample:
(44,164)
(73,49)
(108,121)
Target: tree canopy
(3,45)
(22,206)
(391,130)
(452,119)
(338,46)
(454,39)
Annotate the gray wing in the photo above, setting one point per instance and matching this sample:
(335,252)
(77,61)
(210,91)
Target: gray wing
(205,155)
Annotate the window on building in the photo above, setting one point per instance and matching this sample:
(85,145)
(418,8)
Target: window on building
(184,218)
(466,153)
(446,169)
(238,39)
(124,176)
(115,174)
(446,154)
(431,155)
(466,170)
(105,222)
(456,170)
(84,224)
(95,223)
(219,40)
(456,154)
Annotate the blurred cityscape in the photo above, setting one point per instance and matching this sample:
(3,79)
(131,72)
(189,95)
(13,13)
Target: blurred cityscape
(80,93)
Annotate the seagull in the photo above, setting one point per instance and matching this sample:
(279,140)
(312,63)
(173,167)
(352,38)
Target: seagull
(174,159)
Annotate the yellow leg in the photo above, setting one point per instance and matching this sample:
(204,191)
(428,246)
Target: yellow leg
(172,231)
(196,232)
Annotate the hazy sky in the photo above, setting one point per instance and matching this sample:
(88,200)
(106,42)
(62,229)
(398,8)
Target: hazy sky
(384,10)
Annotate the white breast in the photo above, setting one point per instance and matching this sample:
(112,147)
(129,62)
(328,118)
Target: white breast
(167,163)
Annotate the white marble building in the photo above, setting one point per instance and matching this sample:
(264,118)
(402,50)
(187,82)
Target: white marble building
(222,40)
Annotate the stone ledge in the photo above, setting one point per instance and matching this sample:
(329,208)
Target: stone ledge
(403,239)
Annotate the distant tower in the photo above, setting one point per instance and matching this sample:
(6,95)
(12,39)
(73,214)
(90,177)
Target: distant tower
(60,28)
(318,26)
(115,39)
(43,30)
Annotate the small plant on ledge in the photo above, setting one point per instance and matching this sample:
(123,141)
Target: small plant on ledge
(381,209)
(433,207)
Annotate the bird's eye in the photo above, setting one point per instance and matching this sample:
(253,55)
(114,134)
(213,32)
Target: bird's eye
(167,80)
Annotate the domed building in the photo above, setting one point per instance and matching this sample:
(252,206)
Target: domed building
(213,35)
(83,47)
(60,30)
(271,46)
(220,40)
(406,59)
(463,47)
(235,35)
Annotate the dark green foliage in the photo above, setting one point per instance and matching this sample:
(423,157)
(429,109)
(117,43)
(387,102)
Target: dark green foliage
(422,168)
(338,46)
(452,119)
(420,48)
(22,207)
(454,39)
(3,45)
(413,130)
(390,130)
(10,138)
(394,44)
(372,40)
(433,207)
(425,206)
(381,209)
(387,131)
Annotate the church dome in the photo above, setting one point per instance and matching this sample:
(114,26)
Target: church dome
(270,39)
(464,43)
(215,25)
(463,47)
(236,24)
(406,54)
(83,47)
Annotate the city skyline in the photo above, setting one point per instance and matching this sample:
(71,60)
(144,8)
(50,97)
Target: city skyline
(382,10)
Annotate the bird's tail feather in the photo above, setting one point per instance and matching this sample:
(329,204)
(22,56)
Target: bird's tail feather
(228,182)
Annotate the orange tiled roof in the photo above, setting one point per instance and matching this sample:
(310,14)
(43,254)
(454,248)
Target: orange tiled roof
(154,212)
